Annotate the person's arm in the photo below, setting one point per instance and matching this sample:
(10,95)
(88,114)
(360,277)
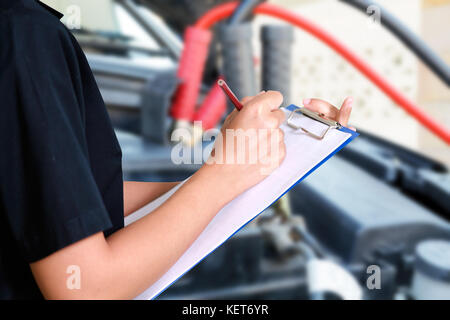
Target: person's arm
(138,194)
(129,261)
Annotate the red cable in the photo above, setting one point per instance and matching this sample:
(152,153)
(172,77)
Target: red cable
(212,109)
(223,11)
(190,72)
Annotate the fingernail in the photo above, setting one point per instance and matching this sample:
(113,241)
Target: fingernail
(306,101)
(350,101)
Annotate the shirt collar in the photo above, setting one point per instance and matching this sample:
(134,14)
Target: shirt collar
(56,13)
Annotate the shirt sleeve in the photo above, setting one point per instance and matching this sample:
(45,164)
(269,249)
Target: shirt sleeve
(47,189)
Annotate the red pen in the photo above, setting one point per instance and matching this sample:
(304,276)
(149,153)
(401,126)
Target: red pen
(230,94)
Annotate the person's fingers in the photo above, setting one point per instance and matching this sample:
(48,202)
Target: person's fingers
(246,99)
(262,92)
(230,117)
(249,98)
(233,113)
(269,100)
(321,107)
(280,116)
(345,111)
(352,128)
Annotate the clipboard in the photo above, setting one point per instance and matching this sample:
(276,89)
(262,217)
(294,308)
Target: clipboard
(320,117)
(310,139)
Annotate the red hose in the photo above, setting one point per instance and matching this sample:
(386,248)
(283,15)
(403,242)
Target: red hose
(212,108)
(190,72)
(223,11)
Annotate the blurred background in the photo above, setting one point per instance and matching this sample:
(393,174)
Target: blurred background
(373,222)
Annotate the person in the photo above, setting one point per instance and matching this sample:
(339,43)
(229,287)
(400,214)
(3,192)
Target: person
(62,196)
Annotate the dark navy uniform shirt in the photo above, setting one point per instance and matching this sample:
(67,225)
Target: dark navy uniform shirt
(60,162)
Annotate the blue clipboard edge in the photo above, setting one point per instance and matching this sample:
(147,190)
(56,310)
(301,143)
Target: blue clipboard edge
(290,108)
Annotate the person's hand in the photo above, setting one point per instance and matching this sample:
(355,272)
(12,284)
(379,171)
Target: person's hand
(341,115)
(251,144)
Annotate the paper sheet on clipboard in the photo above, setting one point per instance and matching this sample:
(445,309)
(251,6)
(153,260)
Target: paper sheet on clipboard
(304,154)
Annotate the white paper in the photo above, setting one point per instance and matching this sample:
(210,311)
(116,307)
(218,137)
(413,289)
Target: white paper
(303,153)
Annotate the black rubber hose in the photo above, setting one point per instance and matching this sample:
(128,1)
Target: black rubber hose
(276,59)
(409,39)
(244,11)
(237,54)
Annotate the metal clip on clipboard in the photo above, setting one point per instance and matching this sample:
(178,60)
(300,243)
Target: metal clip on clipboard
(315,116)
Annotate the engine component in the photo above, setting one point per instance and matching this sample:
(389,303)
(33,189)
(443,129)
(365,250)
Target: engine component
(424,179)
(156,101)
(326,276)
(431,280)
(237,52)
(276,72)
(355,222)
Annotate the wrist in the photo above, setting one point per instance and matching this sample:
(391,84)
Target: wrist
(215,177)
